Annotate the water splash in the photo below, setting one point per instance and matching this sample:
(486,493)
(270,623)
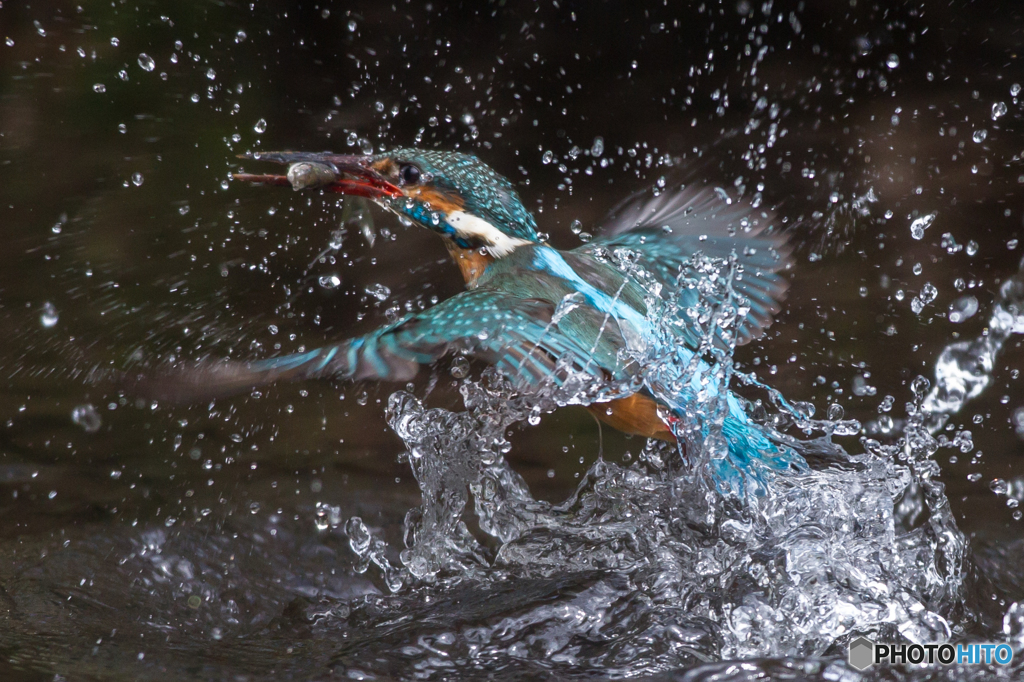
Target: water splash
(964,369)
(657,565)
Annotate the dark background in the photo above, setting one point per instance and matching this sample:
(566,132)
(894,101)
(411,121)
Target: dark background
(117,211)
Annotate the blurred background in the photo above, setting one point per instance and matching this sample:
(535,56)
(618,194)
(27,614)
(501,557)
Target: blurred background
(125,244)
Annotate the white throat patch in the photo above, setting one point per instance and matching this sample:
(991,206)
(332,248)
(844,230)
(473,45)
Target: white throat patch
(469,226)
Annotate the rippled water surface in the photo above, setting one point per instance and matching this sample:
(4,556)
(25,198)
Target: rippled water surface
(451,528)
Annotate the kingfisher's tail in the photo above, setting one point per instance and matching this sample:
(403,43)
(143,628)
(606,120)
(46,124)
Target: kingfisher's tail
(746,456)
(754,458)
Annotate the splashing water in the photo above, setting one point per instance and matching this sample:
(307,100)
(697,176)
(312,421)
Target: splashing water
(964,369)
(657,565)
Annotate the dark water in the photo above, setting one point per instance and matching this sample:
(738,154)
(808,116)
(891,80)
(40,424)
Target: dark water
(183,542)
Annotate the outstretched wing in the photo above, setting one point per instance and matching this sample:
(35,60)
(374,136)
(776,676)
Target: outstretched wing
(514,334)
(668,230)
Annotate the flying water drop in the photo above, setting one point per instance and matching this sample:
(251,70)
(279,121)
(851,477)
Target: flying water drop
(921,224)
(49,316)
(330,281)
(88,417)
(963,309)
(378,291)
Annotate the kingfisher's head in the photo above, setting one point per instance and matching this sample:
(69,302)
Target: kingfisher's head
(451,193)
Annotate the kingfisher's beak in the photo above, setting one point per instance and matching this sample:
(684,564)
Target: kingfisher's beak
(344,174)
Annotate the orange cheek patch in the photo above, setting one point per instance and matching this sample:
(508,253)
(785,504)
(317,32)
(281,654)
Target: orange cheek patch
(436,200)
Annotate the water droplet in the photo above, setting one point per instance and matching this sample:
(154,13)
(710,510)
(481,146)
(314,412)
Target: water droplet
(378,291)
(892,61)
(137,179)
(927,295)
(240,36)
(146,62)
(49,316)
(998,486)
(576,227)
(115,42)
(99,87)
(972,248)
(921,224)
(122,128)
(194,97)
(460,367)
(803,409)
(569,303)
(337,239)
(352,25)
(979,135)
(597,148)
(9,42)
(547,157)
(928,292)
(330,281)
(183,209)
(962,309)
(998,110)
(88,417)
(261,126)
(1015,89)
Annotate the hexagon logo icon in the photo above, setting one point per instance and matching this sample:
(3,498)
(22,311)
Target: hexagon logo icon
(862,653)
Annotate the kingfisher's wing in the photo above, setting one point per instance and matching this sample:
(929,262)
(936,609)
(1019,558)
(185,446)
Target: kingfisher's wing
(668,230)
(515,334)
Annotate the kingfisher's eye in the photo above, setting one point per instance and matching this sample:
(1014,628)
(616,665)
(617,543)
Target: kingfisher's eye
(409,174)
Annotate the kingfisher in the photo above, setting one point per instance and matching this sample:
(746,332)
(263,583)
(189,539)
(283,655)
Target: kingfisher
(538,313)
